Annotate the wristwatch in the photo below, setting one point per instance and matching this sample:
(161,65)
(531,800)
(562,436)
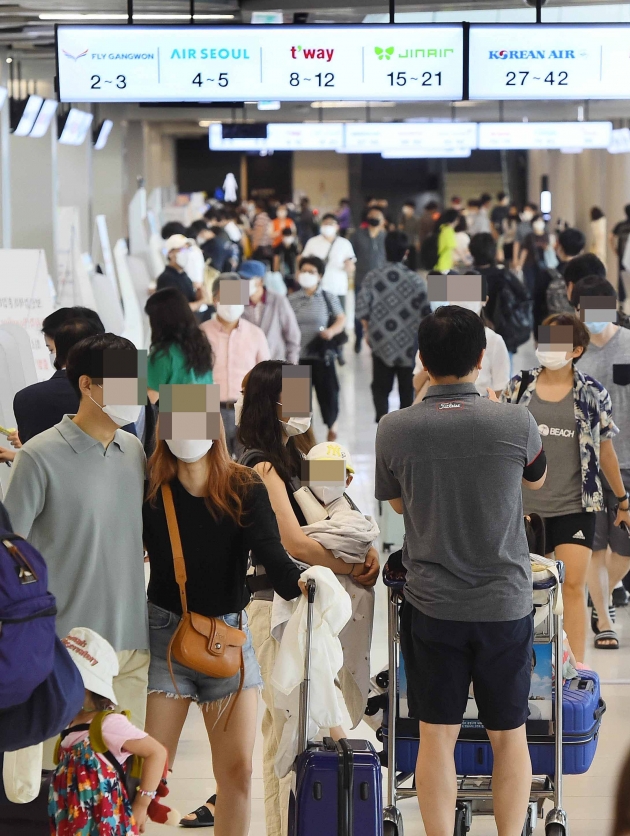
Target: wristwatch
(624,498)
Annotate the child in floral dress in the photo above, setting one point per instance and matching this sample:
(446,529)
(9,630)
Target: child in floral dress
(88,795)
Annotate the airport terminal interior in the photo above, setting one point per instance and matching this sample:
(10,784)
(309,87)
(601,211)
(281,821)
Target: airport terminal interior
(355,169)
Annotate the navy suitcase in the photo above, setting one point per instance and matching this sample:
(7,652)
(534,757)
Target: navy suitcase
(338,789)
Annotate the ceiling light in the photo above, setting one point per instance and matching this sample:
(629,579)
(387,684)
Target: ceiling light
(353,104)
(98,16)
(9,60)
(205,123)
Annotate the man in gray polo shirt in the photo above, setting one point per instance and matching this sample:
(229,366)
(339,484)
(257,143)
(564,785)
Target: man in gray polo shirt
(76,493)
(453,465)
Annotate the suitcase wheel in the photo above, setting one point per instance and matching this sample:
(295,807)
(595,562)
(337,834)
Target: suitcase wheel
(461,827)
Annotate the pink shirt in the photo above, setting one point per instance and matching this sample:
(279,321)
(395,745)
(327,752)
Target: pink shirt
(235,352)
(116,731)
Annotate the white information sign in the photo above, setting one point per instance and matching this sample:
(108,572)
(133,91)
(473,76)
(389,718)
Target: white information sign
(538,61)
(284,136)
(375,137)
(530,135)
(250,63)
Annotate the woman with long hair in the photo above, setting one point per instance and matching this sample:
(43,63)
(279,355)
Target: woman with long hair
(223,513)
(574,415)
(271,449)
(179,351)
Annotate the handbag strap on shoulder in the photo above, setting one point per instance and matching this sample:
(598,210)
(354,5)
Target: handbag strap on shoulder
(176,543)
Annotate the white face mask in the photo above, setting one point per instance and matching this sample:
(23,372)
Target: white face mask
(201,240)
(288,240)
(253,286)
(526,216)
(182,259)
(538,227)
(553,360)
(329,230)
(281,213)
(307,280)
(187,450)
(296,426)
(238,409)
(230,313)
(52,359)
(328,493)
(121,414)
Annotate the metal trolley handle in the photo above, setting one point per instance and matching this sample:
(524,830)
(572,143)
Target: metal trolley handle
(305,688)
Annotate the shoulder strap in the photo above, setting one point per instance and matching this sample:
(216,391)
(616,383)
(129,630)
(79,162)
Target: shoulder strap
(526,379)
(176,544)
(248,455)
(328,302)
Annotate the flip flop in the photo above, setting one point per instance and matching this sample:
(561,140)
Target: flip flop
(609,636)
(203,816)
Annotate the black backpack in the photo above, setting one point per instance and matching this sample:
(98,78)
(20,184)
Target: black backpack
(513,316)
(429,252)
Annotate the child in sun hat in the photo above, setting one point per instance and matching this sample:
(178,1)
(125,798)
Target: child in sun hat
(88,794)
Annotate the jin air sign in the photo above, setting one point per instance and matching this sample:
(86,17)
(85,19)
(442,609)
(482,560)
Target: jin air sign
(254,63)
(549,62)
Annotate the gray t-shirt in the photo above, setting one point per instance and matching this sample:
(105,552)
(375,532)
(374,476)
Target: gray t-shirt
(457,461)
(81,506)
(610,365)
(562,492)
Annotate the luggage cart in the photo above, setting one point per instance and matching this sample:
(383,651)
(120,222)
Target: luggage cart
(474,796)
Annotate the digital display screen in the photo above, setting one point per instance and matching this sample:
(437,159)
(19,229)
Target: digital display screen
(76,127)
(549,61)
(28,116)
(254,63)
(103,134)
(44,118)
(531,135)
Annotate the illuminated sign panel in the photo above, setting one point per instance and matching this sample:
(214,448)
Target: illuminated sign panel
(251,63)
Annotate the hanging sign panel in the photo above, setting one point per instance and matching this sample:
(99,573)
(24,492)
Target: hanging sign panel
(538,61)
(250,63)
(531,135)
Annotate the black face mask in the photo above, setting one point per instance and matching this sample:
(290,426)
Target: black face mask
(373,222)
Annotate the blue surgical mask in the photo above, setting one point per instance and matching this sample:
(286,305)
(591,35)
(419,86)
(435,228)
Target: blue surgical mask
(596,327)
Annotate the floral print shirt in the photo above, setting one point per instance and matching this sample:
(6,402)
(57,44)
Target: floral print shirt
(593,418)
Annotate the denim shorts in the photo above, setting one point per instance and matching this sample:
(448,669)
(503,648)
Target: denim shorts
(196,686)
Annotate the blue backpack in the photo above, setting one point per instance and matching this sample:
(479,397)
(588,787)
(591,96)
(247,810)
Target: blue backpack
(27,620)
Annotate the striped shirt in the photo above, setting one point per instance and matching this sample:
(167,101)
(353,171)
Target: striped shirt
(312,314)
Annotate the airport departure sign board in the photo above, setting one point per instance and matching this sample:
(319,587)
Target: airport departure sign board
(539,61)
(252,63)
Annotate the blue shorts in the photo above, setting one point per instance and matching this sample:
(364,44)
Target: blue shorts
(198,687)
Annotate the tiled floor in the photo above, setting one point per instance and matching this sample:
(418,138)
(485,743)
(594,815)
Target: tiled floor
(588,798)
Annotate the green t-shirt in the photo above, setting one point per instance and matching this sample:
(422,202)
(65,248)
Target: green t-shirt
(170,367)
(446,247)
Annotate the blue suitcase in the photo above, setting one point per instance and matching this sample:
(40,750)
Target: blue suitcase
(338,789)
(583,709)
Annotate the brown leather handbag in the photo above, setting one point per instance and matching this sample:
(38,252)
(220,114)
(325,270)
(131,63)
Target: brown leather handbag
(206,645)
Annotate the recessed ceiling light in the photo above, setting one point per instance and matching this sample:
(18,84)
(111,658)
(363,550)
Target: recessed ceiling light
(353,104)
(205,123)
(114,16)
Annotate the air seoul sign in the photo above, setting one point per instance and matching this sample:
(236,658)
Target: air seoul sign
(236,63)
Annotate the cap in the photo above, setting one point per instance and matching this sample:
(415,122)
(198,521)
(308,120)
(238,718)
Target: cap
(327,450)
(96,660)
(176,242)
(252,270)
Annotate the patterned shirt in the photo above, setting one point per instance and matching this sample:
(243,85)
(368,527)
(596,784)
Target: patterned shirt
(393,300)
(593,417)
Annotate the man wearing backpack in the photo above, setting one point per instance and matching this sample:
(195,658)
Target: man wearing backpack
(509,307)
(76,493)
(571,243)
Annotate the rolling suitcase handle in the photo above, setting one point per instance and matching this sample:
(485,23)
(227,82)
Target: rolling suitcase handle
(305,688)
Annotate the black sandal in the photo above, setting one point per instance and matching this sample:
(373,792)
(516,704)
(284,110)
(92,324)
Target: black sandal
(607,636)
(203,816)
(612,614)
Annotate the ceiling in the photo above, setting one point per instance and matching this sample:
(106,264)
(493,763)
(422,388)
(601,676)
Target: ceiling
(22,29)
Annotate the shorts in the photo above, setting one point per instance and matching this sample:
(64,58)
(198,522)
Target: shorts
(442,658)
(570,529)
(196,686)
(606,532)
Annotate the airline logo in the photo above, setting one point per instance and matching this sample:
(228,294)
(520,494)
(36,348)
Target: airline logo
(387,53)
(312,53)
(529,54)
(75,58)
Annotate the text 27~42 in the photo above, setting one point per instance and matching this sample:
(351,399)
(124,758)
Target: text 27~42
(518,79)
